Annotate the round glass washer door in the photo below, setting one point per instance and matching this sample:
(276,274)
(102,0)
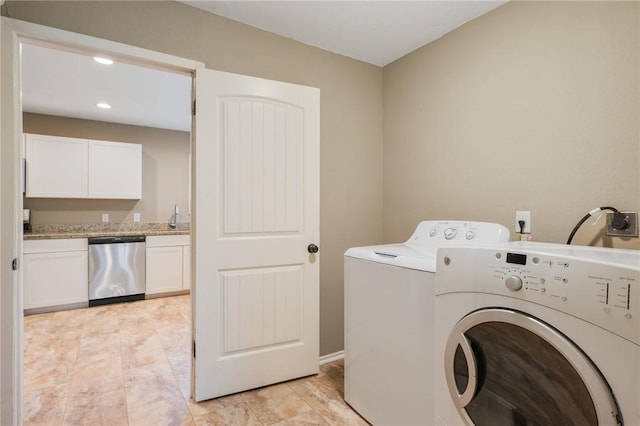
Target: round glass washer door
(504,367)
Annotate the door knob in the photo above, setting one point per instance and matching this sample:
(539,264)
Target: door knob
(312,248)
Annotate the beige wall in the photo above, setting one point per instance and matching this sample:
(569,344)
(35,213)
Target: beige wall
(165,173)
(351,110)
(533,106)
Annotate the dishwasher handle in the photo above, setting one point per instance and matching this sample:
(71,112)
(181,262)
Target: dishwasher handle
(123,239)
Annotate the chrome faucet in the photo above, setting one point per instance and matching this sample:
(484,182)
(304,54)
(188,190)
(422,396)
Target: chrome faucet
(173,223)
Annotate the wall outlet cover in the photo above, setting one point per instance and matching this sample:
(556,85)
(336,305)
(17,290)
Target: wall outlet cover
(136,217)
(631,231)
(526,216)
(105,217)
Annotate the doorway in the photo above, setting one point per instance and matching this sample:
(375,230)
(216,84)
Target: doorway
(272,254)
(14,34)
(62,348)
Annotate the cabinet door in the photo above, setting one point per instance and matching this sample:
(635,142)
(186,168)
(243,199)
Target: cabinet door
(186,267)
(52,279)
(115,170)
(57,167)
(164,269)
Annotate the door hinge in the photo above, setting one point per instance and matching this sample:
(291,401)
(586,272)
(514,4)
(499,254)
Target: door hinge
(193,108)
(14,264)
(194,348)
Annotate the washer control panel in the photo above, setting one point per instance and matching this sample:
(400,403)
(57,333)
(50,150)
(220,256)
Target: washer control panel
(432,233)
(589,288)
(532,275)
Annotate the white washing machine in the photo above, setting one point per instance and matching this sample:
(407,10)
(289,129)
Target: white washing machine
(389,298)
(537,334)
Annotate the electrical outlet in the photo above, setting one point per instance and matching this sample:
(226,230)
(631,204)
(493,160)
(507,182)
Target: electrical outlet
(105,217)
(526,216)
(631,231)
(136,217)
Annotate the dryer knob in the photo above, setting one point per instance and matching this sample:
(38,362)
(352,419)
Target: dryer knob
(449,233)
(513,283)
(470,235)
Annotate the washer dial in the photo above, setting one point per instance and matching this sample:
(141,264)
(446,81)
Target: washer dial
(513,283)
(449,233)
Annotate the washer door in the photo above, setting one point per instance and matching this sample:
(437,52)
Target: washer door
(506,368)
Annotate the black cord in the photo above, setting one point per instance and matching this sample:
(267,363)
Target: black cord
(588,215)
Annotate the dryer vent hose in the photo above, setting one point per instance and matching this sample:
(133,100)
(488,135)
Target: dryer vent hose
(619,221)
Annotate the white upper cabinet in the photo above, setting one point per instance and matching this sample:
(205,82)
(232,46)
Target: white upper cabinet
(61,167)
(115,170)
(56,167)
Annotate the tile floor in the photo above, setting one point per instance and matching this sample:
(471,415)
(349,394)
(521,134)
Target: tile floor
(129,364)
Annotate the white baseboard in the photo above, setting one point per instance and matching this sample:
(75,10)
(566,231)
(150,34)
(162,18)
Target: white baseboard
(325,359)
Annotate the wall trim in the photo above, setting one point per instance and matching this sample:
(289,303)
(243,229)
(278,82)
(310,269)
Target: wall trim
(41,35)
(325,359)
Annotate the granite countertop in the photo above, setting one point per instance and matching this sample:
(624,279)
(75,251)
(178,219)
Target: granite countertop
(46,232)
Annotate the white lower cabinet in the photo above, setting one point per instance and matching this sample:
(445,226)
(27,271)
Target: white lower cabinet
(55,272)
(168,264)
(164,269)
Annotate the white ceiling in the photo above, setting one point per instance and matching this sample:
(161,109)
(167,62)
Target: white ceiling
(66,84)
(378,32)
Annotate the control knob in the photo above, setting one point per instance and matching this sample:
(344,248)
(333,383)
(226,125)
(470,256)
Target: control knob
(449,233)
(513,283)
(433,232)
(470,235)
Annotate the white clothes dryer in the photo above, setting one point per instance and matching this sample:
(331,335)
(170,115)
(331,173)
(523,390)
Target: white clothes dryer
(389,334)
(537,334)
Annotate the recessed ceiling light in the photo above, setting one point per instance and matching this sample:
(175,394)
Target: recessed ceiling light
(104,61)
(104,105)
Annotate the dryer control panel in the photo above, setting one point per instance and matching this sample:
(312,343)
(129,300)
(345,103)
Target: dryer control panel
(601,287)
(436,233)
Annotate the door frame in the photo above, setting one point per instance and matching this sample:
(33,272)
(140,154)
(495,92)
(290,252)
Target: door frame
(17,32)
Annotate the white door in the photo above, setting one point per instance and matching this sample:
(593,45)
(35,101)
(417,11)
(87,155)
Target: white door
(256,212)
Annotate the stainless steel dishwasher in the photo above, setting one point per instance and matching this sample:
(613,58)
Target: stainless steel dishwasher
(116,269)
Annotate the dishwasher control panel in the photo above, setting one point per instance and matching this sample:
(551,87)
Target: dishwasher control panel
(117,239)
